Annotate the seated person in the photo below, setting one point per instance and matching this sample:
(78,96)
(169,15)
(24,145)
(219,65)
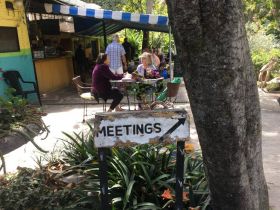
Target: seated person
(101,85)
(146,69)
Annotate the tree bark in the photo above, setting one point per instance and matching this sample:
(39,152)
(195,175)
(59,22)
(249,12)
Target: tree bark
(145,42)
(212,46)
(149,10)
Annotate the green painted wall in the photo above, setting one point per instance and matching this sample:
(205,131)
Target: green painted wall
(22,62)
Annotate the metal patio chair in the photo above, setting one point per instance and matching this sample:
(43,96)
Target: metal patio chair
(84,91)
(168,103)
(14,80)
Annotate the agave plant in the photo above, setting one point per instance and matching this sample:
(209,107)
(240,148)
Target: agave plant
(138,176)
(195,180)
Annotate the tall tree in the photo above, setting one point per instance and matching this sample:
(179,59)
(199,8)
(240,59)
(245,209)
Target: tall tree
(212,46)
(108,4)
(149,10)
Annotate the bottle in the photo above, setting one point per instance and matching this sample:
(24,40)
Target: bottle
(164,73)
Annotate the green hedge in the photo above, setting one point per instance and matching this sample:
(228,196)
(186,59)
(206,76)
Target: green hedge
(262,57)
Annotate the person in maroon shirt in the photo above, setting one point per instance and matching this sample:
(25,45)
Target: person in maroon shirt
(101,76)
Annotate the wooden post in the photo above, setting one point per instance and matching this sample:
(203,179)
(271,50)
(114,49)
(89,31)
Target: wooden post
(170,56)
(179,174)
(33,62)
(103,179)
(104,34)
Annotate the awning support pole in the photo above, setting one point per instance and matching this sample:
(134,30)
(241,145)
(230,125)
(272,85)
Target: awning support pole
(26,8)
(170,56)
(104,34)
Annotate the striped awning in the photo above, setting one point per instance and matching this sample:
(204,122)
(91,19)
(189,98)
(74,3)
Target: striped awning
(143,19)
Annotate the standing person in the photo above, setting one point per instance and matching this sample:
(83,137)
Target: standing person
(128,50)
(102,87)
(155,59)
(116,54)
(81,62)
(161,57)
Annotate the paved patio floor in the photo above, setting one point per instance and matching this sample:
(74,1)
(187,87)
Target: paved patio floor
(66,115)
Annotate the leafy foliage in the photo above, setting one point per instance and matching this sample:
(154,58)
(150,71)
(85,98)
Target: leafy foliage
(138,178)
(15,112)
(273,87)
(15,116)
(138,175)
(264,13)
(38,189)
(157,40)
(264,47)
(12,109)
(134,38)
(259,40)
(108,4)
(262,57)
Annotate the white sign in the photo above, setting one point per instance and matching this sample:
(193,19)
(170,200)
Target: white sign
(67,25)
(131,128)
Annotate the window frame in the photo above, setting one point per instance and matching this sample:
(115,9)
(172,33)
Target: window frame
(17,39)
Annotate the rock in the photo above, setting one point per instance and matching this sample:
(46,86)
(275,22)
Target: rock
(15,140)
(74,179)
(275,80)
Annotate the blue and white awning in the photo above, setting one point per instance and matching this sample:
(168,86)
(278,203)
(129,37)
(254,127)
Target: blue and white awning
(160,21)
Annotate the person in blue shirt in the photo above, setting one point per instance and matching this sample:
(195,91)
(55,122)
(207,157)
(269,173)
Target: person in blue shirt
(116,54)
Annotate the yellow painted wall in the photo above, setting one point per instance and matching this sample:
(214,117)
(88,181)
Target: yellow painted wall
(20,60)
(54,73)
(17,19)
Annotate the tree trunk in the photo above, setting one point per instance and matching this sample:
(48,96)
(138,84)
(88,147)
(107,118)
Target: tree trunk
(145,42)
(149,10)
(212,47)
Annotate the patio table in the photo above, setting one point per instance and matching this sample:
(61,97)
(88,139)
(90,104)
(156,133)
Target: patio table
(124,85)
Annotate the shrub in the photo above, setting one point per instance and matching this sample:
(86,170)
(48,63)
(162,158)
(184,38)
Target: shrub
(16,112)
(259,40)
(139,175)
(263,47)
(39,189)
(262,57)
(17,116)
(273,87)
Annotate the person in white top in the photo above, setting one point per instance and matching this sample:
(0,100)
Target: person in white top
(146,67)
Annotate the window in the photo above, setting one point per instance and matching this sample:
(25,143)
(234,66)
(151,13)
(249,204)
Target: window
(9,39)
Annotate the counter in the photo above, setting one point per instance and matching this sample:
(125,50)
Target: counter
(54,73)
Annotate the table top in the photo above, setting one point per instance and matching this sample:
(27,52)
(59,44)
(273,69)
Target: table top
(146,81)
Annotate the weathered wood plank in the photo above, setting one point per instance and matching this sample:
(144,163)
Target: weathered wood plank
(132,128)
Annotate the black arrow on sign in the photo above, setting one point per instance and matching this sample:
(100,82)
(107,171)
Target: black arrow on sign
(181,121)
